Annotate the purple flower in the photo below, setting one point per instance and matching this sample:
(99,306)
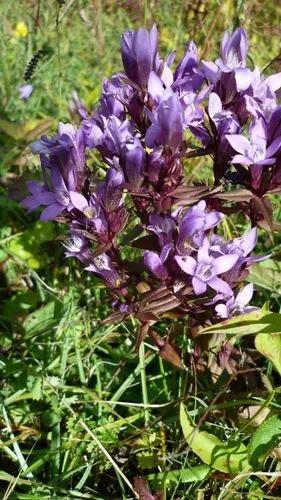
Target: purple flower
(133,157)
(104,212)
(167,124)
(139,51)
(77,246)
(187,77)
(103,266)
(234,49)
(108,136)
(206,269)
(228,76)
(25,91)
(113,98)
(242,247)
(194,223)
(110,190)
(224,122)
(163,227)
(92,214)
(65,152)
(193,114)
(260,97)
(254,151)
(56,200)
(155,263)
(237,305)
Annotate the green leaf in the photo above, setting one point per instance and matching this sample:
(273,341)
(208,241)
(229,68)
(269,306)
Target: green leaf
(264,440)
(173,477)
(26,246)
(26,131)
(270,346)
(230,457)
(43,319)
(266,275)
(260,321)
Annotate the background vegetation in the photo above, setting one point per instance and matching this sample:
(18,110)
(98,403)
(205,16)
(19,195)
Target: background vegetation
(81,413)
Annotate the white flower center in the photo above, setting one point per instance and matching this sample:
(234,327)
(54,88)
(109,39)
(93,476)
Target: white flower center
(256,152)
(204,271)
(74,244)
(62,197)
(101,262)
(233,59)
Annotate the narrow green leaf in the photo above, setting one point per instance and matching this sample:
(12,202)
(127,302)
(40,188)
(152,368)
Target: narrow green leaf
(228,457)
(264,440)
(270,346)
(173,477)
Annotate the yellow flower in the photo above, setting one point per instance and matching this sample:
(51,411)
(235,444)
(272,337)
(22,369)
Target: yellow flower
(21,30)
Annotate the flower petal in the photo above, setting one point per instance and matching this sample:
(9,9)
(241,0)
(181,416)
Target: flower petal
(187,264)
(239,143)
(224,263)
(78,200)
(245,295)
(248,241)
(215,104)
(274,147)
(199,286)
(242,160)
(52,211)
(153,263)
(222,311)
(273,81)
(243,78)
(220,286)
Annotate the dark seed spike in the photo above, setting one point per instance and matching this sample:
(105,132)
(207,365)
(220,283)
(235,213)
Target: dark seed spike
(31,66)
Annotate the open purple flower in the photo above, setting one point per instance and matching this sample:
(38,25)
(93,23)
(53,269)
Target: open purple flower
(104,212)
(254,151)
(56,200)
(237,305)
(206,269)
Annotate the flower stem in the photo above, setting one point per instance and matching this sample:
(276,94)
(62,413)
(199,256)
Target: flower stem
(143,383)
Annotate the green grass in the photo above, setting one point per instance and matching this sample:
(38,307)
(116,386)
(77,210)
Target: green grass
(81,413)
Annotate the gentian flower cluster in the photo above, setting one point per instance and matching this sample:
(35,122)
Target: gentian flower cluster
(141,134)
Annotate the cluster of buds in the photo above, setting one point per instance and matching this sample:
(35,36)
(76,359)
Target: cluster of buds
(141,132)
